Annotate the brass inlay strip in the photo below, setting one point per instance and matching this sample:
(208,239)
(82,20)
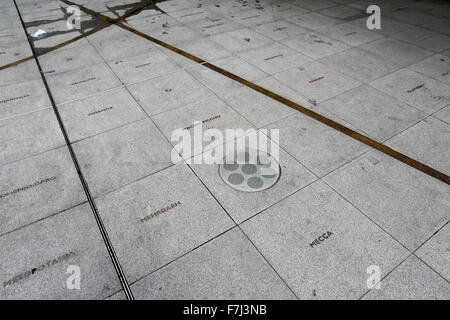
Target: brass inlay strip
(333,124)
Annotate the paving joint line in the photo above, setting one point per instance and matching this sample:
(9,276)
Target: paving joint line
(103,232)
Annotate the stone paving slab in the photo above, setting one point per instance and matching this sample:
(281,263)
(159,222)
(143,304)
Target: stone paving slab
(143,66)
(360,65)
(228,267)
(35,259)
(416,89)
(428,141)
(168,92)
(24,97)
(322,245)
(28,135)
(274,58)
(242,205)
(315,45)
(37,187)
(102,112)
(435,252)
(316,81)
(240,40)
(80,83)
(409,205)
(412,280)
(120,96)
(378,114)
(396,51)
(25,71)
(425,39)
(317,146)
(130,152)
(211,111)
(153,221)
(436,67)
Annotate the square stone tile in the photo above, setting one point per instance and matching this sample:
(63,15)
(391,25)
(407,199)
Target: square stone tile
(251,17)
(22,72)
(428,142)
(115,158)
(77,84)
(174,34)
(242,205)
(175,5)
(228,267)
(143,66)
(211,111)
(241,40)
(28,135)
(148,22)
(14,52)
(153,221)
(424,38)
(374,112)
(435,252)
(313,20)
(405,202)
(118,47)
(313,4)
(436,67)
(36,259)
(108,110)
(203,48)
(279,30)
(23,97)
(240,67)
(38,187)
(256,107)
(388,26)
(342,12)
(168,92)
(218,83)
(315,45)
(69,58)
(10,35)
(412,280)
(318,147)
(396,51)
(322,245)
(351,33)
(416,89)
(411,16)
(274,58)
(316,81)
(187,16)
(441,25)
(282,10)
(359,64)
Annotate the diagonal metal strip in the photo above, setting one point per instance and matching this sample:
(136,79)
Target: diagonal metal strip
(333,124)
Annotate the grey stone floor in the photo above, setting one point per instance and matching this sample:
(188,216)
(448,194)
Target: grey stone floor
(120,97)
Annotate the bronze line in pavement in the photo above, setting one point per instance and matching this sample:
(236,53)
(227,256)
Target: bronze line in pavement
(85,34)
(333,124)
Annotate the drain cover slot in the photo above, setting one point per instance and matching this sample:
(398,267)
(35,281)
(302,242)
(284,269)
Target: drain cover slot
(250,175)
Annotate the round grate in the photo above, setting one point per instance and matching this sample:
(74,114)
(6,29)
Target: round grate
(250,175)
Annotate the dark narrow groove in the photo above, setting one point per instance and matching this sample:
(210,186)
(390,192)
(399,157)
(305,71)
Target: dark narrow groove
(90,199)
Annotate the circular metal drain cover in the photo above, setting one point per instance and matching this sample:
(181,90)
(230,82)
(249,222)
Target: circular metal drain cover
(250,175)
